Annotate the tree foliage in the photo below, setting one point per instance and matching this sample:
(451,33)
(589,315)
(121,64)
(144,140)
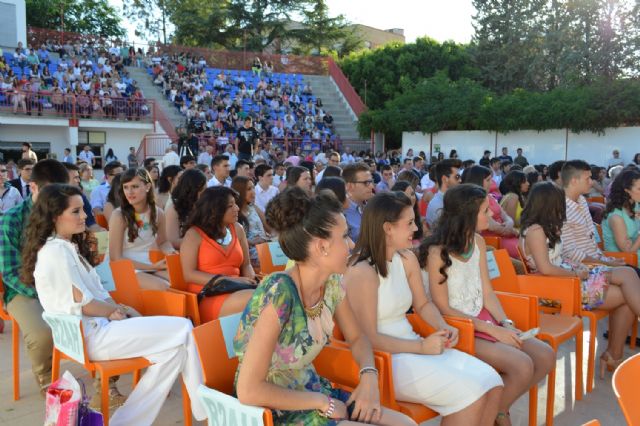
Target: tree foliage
(81,16)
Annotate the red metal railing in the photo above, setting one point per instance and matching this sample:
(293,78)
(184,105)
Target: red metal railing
(65,105)
(350,94)
(223,59)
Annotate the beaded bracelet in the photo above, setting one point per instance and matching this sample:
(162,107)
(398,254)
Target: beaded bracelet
(330,410)
(364,370)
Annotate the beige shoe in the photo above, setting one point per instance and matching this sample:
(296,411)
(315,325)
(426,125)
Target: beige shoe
(116,399)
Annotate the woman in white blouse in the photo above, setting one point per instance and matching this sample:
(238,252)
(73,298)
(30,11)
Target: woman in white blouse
(55,260)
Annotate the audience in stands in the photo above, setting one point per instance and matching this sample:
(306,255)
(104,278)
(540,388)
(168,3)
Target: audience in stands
(137,227)
(215,249)
(455,258)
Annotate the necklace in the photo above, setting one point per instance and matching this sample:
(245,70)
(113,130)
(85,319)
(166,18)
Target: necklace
(226,240)
(316,310)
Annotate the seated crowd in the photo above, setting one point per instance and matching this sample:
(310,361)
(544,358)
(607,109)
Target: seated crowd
(93,81)
(368,239)
(216,102)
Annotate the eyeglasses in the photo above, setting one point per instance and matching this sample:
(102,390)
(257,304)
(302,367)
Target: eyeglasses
(365,182)
(4,171)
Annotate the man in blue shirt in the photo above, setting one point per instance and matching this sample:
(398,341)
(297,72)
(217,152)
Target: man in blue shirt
(446,177)
(359,185)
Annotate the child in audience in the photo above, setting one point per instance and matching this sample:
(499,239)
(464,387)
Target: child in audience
(602,286)
(56,260)
(215,246)
(382,284)
(290,317)
(137,227)
(183,197)
(456,260)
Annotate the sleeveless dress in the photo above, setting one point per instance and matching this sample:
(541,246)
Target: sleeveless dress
(256,229)
(516,220)
(214,258)
(300,341)
(632,226)
(446,383)
(138,250)
(592,289)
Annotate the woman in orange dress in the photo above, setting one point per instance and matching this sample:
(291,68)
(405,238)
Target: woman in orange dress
(216,244)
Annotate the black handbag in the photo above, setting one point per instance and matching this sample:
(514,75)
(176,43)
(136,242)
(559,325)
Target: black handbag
(220,284)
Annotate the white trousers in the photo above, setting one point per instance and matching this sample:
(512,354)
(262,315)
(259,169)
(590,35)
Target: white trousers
(167,342)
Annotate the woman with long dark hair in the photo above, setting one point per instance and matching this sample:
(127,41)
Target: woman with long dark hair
(513,187)
(183,197)
(57,259)
(500,223)
(299,176)
(383,282)
(455,257)
(253,220)
(406,188)
(620,227)
(602,287)
(137,227)
(215,245)
(291,316)
(168,180)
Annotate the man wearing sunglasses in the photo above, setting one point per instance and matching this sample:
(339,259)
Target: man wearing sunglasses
(447,176)
(359,186)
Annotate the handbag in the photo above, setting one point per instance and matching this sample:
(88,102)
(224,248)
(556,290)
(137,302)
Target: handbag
(220,284)
(87,416)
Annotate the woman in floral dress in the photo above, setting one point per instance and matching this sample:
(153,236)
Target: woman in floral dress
(289,319)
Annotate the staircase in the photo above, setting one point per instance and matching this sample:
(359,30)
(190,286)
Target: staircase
(344,120)
(151,91)
(323,87)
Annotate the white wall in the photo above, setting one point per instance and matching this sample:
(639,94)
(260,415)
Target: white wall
(539,147)
(18,20)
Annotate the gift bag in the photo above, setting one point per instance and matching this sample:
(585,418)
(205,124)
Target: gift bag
(63,401)
(87,416)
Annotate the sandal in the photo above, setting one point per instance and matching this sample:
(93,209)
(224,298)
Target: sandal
(607,361)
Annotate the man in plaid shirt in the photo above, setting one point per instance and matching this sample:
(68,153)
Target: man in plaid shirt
(22,300)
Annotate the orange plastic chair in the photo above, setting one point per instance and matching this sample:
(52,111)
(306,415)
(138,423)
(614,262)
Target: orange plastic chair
(493,241)
(156,256)
(593,316)
(102,221)
(15,343)
(147,302)
(266,260)
(178,285)
(418,412)
(593,422)
(625,385)
(554,329)
(106,370)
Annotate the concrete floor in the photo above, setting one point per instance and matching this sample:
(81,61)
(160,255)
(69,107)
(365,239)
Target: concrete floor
(601,404)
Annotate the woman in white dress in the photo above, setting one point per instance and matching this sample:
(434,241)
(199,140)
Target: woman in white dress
(55,260)
(456,260)
(137,227)
(382,283)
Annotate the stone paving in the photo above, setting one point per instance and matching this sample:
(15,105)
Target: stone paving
(601,404)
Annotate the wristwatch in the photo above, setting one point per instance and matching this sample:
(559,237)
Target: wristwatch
(506,322)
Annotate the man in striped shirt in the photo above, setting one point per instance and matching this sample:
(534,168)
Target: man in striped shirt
(579,232)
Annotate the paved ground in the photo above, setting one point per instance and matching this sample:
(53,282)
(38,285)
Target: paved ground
(601,404)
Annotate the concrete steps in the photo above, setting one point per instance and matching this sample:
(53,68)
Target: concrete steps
(151,91)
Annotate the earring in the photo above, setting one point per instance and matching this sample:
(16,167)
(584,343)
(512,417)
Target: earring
(324,252)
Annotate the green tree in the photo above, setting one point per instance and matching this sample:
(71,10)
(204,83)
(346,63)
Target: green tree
(151,18)
(81,16)
(319,32)
(201,23)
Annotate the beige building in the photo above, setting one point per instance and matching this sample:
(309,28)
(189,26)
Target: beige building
(374,37)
